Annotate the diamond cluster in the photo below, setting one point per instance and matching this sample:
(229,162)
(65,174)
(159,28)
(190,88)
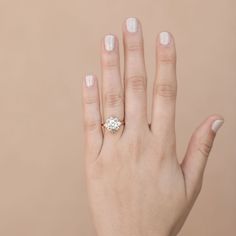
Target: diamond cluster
(112,124)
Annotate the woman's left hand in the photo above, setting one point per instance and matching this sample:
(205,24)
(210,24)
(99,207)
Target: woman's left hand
(136,185)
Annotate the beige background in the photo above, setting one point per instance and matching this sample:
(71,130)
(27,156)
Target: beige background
(46,46)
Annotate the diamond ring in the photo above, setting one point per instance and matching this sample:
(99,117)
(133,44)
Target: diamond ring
(112,124)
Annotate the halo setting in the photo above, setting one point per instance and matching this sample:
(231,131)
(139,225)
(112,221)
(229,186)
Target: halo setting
(112,124)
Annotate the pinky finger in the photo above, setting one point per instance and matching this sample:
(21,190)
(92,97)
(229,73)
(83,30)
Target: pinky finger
(92,117)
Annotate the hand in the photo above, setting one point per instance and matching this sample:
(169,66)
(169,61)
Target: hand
(136,185)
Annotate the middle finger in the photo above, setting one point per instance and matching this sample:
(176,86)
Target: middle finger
(135,75)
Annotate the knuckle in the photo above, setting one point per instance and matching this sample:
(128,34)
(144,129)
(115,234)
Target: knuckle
(135,147)
(161,155)
(167,58)
(88,100)
(205,148)
(113,99)
(166,90)
(134,46)
(110,63)
(137,82)
(91,125)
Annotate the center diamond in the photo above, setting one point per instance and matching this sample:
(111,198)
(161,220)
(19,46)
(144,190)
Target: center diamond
(112,124)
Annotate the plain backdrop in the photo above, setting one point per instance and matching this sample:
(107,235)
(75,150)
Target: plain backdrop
(46,47)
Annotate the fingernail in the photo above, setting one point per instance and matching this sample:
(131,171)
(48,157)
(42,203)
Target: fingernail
(216,125)
(89,80)
(164,38)
(109,42)
(132,25)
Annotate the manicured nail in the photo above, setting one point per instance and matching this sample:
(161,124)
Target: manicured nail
(164,38)
(89,80)
(132,25)
(216,125)
(109,42)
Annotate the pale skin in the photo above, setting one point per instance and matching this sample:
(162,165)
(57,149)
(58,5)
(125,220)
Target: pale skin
(136,185)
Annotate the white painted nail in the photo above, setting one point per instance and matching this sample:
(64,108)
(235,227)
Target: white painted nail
(164,38)
(216,125)
(109,42)
(89,79)
(132,25)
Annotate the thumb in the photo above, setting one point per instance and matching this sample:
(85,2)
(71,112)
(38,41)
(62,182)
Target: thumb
(198,150)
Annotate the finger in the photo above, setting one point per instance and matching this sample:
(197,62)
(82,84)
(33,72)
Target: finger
(92,117)
(113,98)
(165,89)
(197,154)
(135,74)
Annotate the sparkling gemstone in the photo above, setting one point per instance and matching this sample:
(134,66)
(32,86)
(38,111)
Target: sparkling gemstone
(112,124)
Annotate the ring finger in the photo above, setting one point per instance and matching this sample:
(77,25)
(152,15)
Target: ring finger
(113,96)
